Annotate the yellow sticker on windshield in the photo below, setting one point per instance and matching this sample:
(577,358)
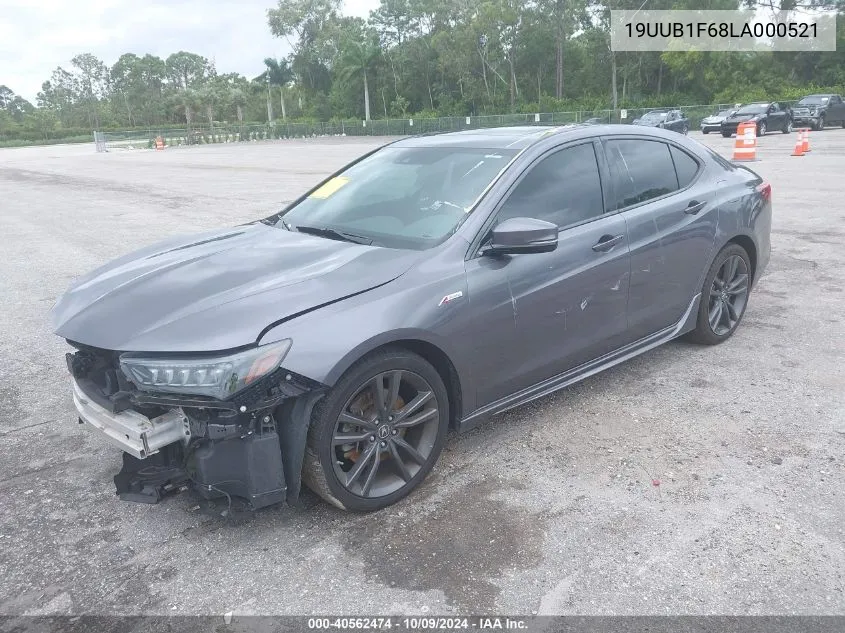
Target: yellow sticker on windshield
(329,188)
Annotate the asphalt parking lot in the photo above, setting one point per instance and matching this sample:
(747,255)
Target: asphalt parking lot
(551,508)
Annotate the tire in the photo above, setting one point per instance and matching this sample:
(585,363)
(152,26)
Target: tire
(788,127)
(705,131)
(820,124)
(705,333)
(726,134)
(761,129)
(684,130)
(326,461)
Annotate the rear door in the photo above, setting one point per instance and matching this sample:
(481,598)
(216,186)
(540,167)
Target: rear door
(671,216)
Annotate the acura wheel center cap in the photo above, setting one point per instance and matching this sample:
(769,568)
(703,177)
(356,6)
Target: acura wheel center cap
(383,432)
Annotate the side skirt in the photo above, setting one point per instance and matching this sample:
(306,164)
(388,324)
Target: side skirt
(685,324)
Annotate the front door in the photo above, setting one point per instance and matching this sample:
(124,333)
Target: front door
(569,305)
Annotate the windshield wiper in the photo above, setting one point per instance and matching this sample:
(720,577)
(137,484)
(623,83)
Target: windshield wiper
(334,234)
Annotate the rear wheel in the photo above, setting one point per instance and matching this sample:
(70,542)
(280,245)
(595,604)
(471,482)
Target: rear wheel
(723,297)
(378,432)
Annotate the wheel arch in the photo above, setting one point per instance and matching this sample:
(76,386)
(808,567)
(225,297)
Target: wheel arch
(747,243)
(431,351)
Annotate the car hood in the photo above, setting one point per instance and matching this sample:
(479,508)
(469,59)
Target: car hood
(647,123)
(738,118)
(217,290)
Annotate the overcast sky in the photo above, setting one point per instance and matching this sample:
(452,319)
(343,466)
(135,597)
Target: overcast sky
(38,35)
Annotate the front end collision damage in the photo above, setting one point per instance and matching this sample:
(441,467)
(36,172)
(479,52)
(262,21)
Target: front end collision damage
(250,446)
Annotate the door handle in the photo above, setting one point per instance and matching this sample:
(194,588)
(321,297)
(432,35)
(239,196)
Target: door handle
(694,207)
(607,242)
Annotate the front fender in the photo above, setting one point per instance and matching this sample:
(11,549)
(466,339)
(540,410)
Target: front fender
(327,341)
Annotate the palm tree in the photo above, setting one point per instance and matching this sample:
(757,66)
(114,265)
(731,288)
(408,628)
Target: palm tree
(186,101)
(237,97)
(279,74)
(357,57)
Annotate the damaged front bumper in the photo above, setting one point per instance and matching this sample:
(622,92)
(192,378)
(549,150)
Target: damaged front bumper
(251,448)
(129,430)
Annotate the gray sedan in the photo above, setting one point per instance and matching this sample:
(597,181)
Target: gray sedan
(432,283)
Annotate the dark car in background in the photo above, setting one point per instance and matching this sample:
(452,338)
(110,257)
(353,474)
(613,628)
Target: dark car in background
(431,283)
(817,111)
(674,120)
(713,123)
(767,117)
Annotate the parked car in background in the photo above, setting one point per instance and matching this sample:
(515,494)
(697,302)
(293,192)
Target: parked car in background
(674,120)
(768,117)
(429,284)
(819,110)
(596,120)
(713,123)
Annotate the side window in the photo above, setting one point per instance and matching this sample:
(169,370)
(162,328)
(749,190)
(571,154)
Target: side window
(642,170)
(686,167)
(564,188)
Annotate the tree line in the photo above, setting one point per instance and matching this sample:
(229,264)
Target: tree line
(421,58)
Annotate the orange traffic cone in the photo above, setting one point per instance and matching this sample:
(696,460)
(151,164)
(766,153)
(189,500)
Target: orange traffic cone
(806,147)
(799,145)
(745,146)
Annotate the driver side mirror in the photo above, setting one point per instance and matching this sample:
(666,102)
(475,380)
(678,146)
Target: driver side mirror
(522,235)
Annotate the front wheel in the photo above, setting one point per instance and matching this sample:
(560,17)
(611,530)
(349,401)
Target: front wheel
(761,129)
(723,297)
(684,130)
(820,124)
(726,134)
(705,131)
(378,432)
(787,128)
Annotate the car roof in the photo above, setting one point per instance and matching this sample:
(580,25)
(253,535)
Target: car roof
(523,136)
(516,137)
(821,94)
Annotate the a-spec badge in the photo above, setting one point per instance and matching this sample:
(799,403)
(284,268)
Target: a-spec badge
(451,297)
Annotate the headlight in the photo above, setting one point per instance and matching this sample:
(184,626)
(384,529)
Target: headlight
(216,376)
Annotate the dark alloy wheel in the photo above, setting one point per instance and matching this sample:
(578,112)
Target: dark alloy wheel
(378,433)
(820,124)
(761,129)
(723,297)
(787,129)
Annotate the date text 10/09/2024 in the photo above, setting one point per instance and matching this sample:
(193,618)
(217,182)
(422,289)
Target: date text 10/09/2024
(721,29)
(417,624)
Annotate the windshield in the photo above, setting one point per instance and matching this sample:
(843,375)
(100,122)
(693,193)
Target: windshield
(754,108)
(653,116)
(401,197)
(813,101)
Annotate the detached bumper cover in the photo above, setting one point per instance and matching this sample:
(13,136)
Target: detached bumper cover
(133,432)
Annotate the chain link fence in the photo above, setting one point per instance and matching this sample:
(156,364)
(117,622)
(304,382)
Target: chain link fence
(240,133)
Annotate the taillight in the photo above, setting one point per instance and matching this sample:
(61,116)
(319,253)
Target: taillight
(765,190)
